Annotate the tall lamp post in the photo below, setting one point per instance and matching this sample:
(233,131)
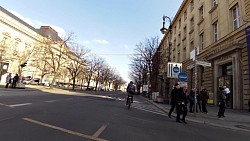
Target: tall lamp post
(164,30)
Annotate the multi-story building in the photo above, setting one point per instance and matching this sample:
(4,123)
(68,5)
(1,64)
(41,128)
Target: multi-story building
(18,41)
(217,29)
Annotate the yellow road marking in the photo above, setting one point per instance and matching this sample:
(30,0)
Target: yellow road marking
(100,130)
(64,130)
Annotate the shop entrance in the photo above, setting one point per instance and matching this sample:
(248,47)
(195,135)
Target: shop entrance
(226,79)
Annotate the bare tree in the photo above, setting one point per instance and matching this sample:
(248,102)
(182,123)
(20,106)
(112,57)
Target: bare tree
(57,53)
(77,61)
(141,65)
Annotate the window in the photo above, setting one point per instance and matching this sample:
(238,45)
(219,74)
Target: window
(215,31)
(184,53)
(201,11)
(214,3)
(179,23)
(175,30)
(202,40)
(192,5)
(179,58)
(191,45)
(192,24)
(185,31)
(236,17)
(185,15)
(179,38)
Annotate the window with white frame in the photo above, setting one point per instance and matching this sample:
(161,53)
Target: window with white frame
(215,31)
(236,16)
(214,3)
(201,11)
(202,40)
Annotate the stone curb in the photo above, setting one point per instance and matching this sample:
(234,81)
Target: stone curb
(198,121)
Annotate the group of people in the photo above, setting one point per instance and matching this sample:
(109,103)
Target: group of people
(180,98)
(13,81)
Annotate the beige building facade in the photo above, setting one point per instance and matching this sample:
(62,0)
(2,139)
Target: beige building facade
(217,28)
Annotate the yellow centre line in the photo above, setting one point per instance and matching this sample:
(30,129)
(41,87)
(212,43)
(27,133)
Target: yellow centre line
(98,132)
(64,130)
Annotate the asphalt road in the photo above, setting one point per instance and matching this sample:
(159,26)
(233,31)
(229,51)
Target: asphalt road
(39,116)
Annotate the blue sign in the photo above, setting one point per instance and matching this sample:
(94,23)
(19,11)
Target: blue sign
(182,76)
(176,69)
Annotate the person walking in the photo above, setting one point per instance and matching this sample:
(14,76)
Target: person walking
(181,105)
(198,103)
(221,102)
(8,80)
(173,99)
(191,100)
(15,80)
(204,98)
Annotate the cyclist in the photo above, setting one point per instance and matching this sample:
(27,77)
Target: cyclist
(130,91)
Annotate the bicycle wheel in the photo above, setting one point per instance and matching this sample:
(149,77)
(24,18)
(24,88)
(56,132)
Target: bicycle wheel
(129,103)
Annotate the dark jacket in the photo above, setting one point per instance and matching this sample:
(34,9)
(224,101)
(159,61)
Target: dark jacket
(131,89)
(181,97)
(221,96)
(191,96)
(173,96)
(204,95)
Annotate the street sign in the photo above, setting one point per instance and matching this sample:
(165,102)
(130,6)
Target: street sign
(203,63)
(173,69)
(192,53)
(182,76)
(176,69)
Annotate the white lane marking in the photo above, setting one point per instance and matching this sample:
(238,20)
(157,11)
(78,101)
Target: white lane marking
(23,104)
(159,113)
(4,105)
(51,101)
(100,130)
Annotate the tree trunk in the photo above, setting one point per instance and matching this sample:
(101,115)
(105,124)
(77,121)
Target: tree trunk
(74,81)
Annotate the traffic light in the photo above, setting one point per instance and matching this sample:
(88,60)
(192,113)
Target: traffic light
(23,64)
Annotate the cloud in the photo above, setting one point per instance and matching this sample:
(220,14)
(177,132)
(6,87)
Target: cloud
(37,24)
(126,47)
(27,20)
(85,42)
(101,42)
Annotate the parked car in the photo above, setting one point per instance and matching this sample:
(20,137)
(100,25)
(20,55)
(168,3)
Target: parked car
(34,81)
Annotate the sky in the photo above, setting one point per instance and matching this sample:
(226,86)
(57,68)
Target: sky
(109,28)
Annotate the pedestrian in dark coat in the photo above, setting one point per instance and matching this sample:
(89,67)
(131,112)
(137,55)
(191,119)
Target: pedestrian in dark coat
(191,100)
(204,98)
(173,99)
(221,102)
(181,105)
(15,80)
(198,104)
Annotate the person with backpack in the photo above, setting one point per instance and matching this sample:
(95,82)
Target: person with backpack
(130,91)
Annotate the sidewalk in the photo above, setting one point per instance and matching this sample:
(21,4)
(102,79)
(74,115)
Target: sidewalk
(27,88)
(234,119)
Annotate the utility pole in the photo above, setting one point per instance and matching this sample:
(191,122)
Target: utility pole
(195,81)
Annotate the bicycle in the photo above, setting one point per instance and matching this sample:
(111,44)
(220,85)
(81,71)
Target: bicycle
(129,102)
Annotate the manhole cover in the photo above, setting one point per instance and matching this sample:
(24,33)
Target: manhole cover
(243,127)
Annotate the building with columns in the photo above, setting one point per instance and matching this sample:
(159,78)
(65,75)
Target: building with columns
(217,29)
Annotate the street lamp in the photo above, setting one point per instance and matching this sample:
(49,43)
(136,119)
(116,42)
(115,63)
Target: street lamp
(164,31)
